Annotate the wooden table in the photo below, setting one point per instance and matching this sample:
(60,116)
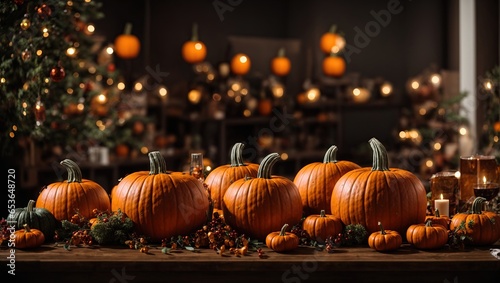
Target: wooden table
(350,264)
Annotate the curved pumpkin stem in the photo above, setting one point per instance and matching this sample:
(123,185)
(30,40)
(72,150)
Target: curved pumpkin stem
(331,155)
(436,213)
(128,29)
(266,165)
(26,228)
(74,172)
(31,204)
(477,205)
(380,158)
(322,213)
(237,155)
(382,231)
(194,32)
(428,223)
(157,163)
(333,29)
(281,52)
(283,230)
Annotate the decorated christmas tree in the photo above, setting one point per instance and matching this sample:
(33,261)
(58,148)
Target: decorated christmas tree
(59,85)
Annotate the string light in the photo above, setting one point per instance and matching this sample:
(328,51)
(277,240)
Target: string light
(163,91)
(120,86)
(462,131)
(386,89)
(90,28)
(110,50)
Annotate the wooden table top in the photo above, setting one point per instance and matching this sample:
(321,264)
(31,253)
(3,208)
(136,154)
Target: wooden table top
(306,264)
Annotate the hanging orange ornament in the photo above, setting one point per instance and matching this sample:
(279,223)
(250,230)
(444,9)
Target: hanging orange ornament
(57,73)
(194,51)
(331,41)
(240,64)
(281,65)
(334,65)
(127,45)
(44,11)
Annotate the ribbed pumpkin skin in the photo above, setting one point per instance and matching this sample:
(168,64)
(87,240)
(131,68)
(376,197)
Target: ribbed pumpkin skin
(392,196)
(316,181)
(37,218)
(282,241)
(28,238)
(161,205)
(64,199)
(485,228)
(321,227)
(426,236)
(221,177)
(259,206)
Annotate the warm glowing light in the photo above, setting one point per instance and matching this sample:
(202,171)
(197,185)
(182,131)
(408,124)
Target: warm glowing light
(402,134)
(414,134)
(415,85)
(237,99)
(71,51)
(436,79)
(194,96)
(243,59)
(109,81)
(313,94)
(422,111)
(162,92)
(441,196)
(102,98)
(210,77)
(91,28)
(437,146)
(284,156)
(121,86)
(198,46)
(244,91)
(441,111)
(25,105)
(39,52)
(82,85)
(386,89)
(80,106)
(138,86)
(236,87)
(335,49)
(216,97)
(429,163)
(356,91)
(278,91)
(46,80)
(12,135)
(230,93)
(2,80)
(92,70)
(484,179)
(14,128)
(247,113)
(208,168)
(144,150)
(457,174)
(495,139)
(110,50)
(99,123)
(462,131)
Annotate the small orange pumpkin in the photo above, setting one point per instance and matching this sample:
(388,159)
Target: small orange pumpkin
(282,241)
(334,66)
(240,64)
(331,39)
(482,226)
(438,219)
(281,65)
(194,51)
(321,227)
(127,45)
(426,236)
(28,238)
(384,240)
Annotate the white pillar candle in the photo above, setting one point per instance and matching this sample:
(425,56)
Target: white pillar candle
(443,205)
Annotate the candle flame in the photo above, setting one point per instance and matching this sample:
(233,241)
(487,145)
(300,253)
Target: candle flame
(484,179)
(441,196)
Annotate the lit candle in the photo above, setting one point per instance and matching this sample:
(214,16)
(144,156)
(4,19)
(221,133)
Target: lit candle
(443,205)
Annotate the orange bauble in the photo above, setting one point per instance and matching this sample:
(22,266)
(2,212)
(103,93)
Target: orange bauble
(331,39)
(127,45)
(334,66)
(240,64)
(194,51)
(281,65)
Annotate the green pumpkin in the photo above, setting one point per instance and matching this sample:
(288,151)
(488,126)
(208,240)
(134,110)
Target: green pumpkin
(38,218)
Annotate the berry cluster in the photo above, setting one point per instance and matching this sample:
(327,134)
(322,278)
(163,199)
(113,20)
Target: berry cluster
(80,237)
(4,232)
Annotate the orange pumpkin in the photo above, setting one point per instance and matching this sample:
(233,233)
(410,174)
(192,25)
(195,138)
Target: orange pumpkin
(438,219)
(240,64)
(28,238)
(427,236)
(259,206)
(393,196)
(317,180)
(281,65)
(384,240)
(127,45)
(282,241)
(160,203)
(334,66)
(321,227)
(122,150)
(496,127)
(482,226)
(80,195)
(221,177)
(331,39)
(194,51)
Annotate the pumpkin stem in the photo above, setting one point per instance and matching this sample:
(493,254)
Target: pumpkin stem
(74,172)
(26,228)
(322,213)
(331,155)
(382,231)
(157,163)
(436,213)
(194,32)
(333,28)
(281,52)
(128,28)
(380,158)
(283,230)
(266,165)
(29,207)
(428,223)
(477,205)
(237,155)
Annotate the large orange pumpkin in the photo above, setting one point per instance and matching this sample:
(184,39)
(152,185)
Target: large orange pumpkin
(482,226)
(331,39)
(281,65)
(64,199)
(334,66)
(221,177)
(317,180)
(393,196)
(161,204)
(127,45)
(259,206)
(194,51)
(240,64)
